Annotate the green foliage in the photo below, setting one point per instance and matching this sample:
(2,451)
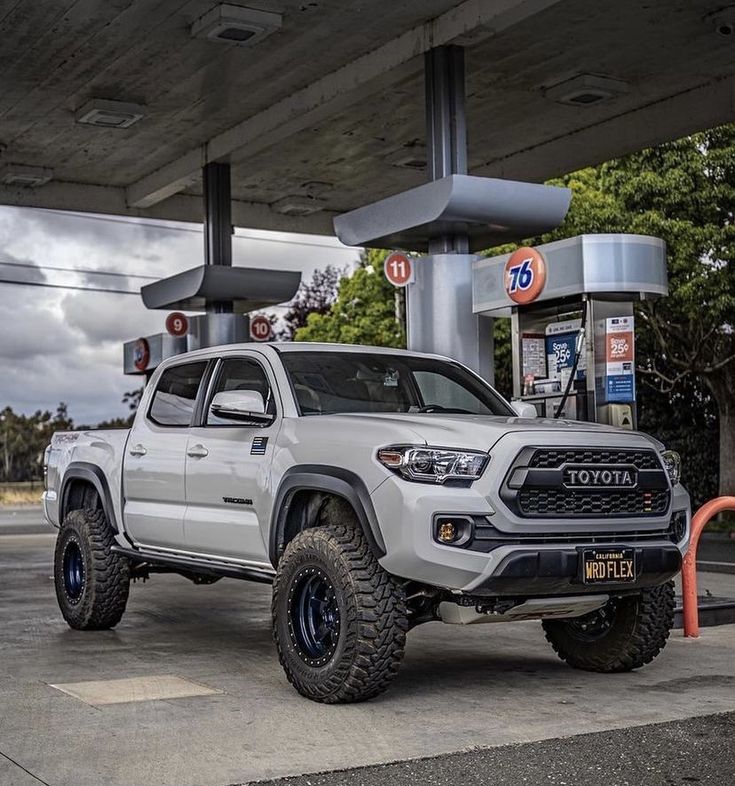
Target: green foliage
(313,297)
(365,311)
(23,438)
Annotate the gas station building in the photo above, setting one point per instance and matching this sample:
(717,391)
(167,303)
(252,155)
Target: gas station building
(423,126)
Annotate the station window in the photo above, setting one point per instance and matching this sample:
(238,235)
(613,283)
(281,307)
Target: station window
(176,394)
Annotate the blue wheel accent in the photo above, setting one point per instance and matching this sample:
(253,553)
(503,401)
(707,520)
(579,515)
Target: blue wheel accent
(73,566)
(313,616)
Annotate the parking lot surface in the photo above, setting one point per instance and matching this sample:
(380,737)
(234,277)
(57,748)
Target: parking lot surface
(679,753)
(189,691)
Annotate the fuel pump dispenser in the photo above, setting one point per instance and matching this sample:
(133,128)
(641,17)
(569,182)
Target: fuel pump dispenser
(572,323)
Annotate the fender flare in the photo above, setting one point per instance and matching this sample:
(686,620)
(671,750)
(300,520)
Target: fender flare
(330,480)
(92,474)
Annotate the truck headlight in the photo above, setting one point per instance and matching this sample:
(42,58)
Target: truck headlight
(672,465)
(433,465)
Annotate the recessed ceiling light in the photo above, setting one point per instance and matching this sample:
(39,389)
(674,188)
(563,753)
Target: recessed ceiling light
(723,21)
(297,206)
(109,114)
(586,90)
(23,176)
(408,157)
(235,24)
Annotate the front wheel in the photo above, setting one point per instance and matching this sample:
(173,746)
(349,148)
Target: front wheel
(339,620)
(626,633)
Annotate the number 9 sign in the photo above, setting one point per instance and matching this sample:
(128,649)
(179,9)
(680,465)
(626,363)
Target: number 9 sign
(177,324)
(525,275)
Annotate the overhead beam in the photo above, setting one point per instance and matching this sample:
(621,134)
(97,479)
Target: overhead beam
(110,200)
(673,117)
(469,22)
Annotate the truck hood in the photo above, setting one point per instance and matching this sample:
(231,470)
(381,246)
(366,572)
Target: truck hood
(478,432)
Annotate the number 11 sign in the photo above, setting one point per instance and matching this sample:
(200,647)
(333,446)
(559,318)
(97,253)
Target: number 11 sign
(398,269)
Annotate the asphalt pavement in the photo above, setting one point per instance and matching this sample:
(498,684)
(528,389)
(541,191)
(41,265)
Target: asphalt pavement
(23,520)
(187,691)
(697,750)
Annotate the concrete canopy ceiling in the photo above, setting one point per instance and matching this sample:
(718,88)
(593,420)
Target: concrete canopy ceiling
(324,107)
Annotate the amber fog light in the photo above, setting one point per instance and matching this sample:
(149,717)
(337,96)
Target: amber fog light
(453,530)
(447,531)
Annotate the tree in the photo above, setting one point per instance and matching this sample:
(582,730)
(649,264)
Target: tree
(683,192)
(23,438)
(365,311)
(314,297)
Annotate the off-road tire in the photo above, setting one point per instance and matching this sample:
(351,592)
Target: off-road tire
(372,616)
(638,631)
(105,583)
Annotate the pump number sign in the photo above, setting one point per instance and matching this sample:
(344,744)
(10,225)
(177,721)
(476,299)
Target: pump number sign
(260,328)
(398,269)
(525,275)
(177,324)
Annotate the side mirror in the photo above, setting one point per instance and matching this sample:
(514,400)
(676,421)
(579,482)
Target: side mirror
(524,409)
(242,405)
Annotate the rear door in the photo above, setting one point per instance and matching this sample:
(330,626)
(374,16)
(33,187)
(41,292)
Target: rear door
(155,459)
(228,468)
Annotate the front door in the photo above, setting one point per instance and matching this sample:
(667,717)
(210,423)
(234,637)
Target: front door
(155,460)
(228,470)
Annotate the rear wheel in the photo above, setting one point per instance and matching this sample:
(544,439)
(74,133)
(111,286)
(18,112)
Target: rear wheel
(626,633)
(339,620)
(92,582)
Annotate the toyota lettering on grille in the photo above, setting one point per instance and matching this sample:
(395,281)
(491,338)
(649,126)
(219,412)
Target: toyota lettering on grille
(612,477)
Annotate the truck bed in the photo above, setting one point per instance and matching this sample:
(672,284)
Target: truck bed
(102,450)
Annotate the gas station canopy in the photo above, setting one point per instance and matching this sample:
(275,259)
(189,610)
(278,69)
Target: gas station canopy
(318,106)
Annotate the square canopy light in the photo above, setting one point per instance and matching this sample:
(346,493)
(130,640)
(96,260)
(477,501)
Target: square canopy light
(20,175)
(297,206)
(109,114)
(586,90)
(236,24)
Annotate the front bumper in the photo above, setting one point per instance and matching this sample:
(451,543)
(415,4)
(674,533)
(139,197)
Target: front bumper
(535,557)
(558,572)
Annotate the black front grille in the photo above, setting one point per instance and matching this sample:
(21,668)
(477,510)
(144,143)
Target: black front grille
(572,502)
(486,538)
(546,459)
(535,486)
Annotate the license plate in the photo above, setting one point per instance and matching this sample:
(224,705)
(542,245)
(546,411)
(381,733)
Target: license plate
(608,566)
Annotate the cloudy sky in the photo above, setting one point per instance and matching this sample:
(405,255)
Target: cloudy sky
(59,344)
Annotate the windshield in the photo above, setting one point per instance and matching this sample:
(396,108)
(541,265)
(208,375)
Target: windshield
(328,383)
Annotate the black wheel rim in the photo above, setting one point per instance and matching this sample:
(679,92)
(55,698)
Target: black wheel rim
(313,616)
(73,568)
(596,624)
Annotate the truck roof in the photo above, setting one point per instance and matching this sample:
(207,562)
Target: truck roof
(299,346)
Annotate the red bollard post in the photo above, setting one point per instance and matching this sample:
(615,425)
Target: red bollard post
(689,571)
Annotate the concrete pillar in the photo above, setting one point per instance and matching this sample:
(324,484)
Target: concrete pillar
(439,303)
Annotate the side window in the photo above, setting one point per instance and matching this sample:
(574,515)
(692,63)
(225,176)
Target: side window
(176,394)
(240,374)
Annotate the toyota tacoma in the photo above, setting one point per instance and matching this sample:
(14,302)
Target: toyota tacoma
(376,489)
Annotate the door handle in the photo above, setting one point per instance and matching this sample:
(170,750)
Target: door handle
(197,451)
(137,450)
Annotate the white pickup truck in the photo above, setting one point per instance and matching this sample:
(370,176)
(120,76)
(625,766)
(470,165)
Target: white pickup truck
(377,490)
